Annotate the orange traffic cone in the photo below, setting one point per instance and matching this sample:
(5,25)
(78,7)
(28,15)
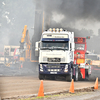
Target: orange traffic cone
(41,90)
(72,87)
(96,84)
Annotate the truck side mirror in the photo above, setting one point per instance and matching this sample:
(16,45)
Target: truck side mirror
(73,46)
(70,47)
(37,49)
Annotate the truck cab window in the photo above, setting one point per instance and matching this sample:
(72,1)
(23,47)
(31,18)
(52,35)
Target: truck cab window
(55,45)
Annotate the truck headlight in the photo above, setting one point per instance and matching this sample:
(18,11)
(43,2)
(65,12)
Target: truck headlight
(41,68)
(66,68)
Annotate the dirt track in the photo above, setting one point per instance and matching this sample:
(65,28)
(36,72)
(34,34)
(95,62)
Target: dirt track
(24,81)
(23,86)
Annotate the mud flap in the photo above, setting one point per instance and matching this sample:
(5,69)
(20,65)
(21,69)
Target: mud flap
(82,71)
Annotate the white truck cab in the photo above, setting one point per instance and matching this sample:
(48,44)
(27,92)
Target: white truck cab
(56,53)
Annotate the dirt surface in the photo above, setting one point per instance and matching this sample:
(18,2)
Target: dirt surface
(78,96)
(23,86)
(16,81)
(93,95)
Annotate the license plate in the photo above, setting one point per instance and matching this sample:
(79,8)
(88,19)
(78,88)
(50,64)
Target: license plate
(53,72)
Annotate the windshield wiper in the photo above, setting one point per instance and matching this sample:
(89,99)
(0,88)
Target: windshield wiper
(54,48)
(44,48)
(59,48)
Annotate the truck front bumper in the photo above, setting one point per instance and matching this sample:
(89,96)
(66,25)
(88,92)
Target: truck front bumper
(54,69)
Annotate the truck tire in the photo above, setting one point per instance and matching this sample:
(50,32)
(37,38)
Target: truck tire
(41,77)
(76,74)
(86,75)
(70,76)
(79,75)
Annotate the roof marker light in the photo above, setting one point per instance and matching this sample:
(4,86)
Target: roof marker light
(57,29)
(53,29)
(50,29)
(61,29)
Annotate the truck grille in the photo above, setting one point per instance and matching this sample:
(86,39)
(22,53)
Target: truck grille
(53,59)
(52,66)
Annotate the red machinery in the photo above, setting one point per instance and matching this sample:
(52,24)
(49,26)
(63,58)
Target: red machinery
(79,57)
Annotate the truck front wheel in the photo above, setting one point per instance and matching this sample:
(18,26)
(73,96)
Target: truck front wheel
(69,77)
(86,75)
(41,77)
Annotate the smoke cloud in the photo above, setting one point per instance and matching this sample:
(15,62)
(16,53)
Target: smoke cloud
(80,16)
(14,15)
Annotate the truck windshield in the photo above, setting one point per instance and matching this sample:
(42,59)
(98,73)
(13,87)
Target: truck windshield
(54,45)
(79,46)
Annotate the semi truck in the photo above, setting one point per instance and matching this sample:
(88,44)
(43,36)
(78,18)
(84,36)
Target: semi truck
(56,54)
